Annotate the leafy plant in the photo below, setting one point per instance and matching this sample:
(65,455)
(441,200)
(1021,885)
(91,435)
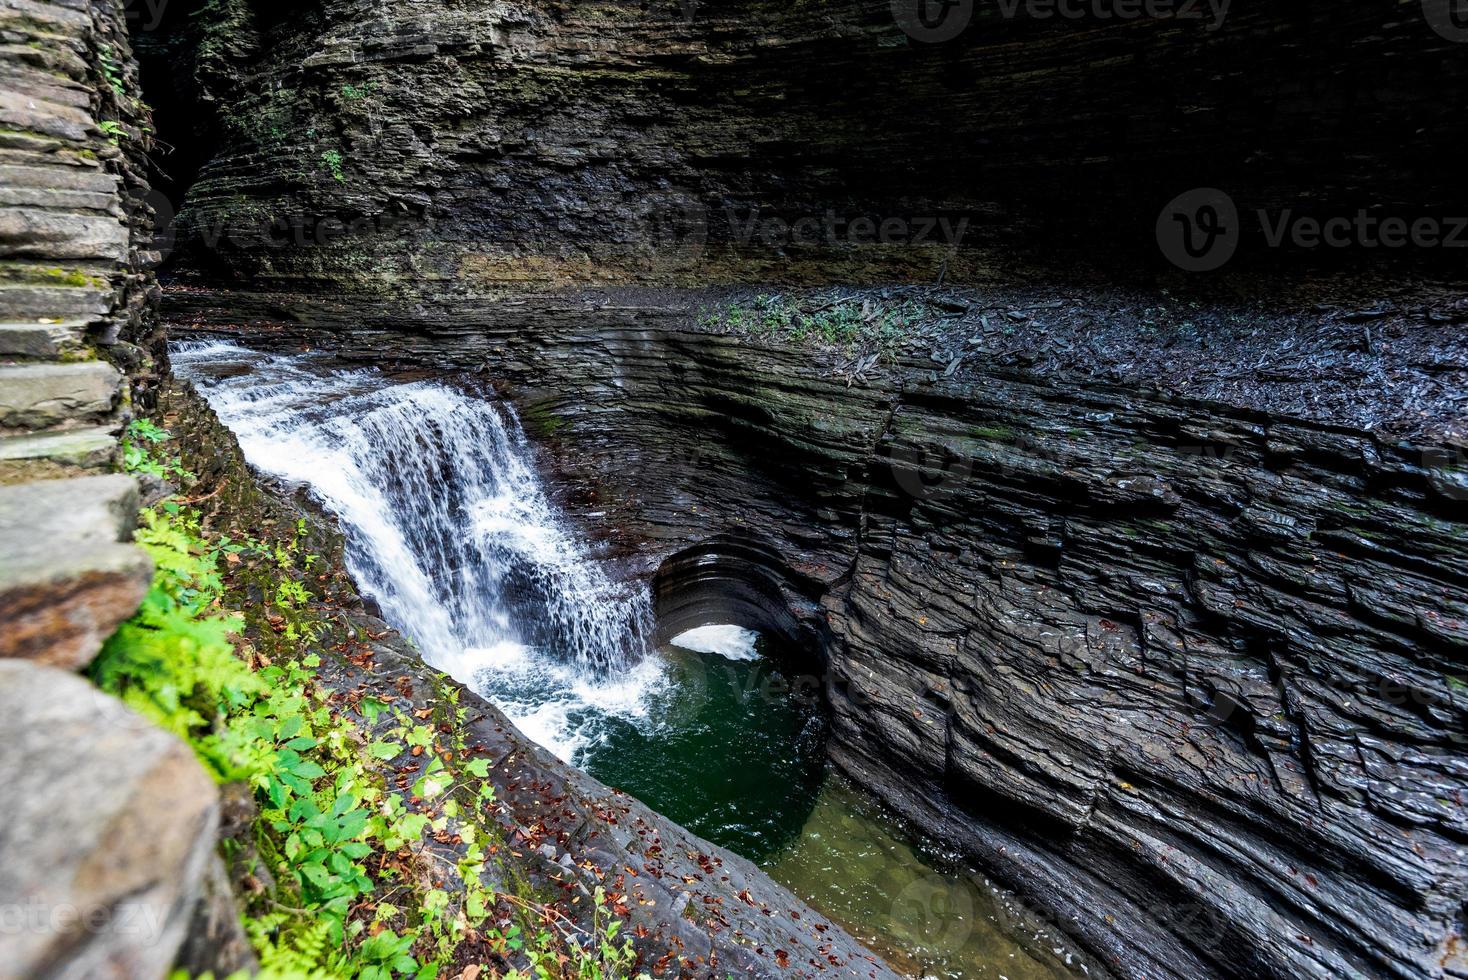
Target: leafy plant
(845,324)
(110,71)
(139,441)
(332,159)
(331,826)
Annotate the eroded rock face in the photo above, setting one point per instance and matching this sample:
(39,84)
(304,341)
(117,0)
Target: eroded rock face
(108,830)
(422,146)
(1193,677)
(1189,676)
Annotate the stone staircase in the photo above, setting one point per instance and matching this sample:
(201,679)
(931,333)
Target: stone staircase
(65,246)
(110,821)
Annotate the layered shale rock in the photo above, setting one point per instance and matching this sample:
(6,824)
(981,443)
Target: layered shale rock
(109,827)
(75,321)
(1183,661)
(1191,676)
(423,147)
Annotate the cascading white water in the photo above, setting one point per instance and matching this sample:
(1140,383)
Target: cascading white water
(448,529)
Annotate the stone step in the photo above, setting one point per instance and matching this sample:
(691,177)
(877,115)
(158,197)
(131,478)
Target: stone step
(41,340)
(64,18)
(60,235)
(55,455)
(110,826)
(84,509)
(67,577)
(57,176)
(30,302)
(20,111)
(33,149)
(42,396)
(58,200)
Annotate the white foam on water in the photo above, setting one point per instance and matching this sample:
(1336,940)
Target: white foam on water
(449,529)
(723,640)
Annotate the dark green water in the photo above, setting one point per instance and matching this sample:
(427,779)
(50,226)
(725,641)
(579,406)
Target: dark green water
(734,751)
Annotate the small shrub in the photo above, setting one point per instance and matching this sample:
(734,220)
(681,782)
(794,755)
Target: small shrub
(332,159)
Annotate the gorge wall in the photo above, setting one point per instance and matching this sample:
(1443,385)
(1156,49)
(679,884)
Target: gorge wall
(110,822)
(485,144)
(1187,674)
(1183,664)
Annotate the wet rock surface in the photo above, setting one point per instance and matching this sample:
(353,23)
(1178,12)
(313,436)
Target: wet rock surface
(693,909)
(1189,675)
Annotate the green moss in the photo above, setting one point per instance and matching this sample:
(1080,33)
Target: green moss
(996,433)
(541,421)
(74,355)
(38,275)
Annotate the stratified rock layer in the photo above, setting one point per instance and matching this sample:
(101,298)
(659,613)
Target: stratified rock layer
(108,829)
(422,145)
(1190,676)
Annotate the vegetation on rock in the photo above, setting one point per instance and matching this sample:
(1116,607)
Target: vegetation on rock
(226,652)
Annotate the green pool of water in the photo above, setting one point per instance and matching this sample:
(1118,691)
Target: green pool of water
(925,915)
(734,750)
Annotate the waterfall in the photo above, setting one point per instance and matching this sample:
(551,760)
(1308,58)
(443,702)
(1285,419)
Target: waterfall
(448,529)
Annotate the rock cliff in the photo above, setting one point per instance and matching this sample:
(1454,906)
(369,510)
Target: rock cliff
(109,821)
(425,146)
(1187,673)
(1182,660)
